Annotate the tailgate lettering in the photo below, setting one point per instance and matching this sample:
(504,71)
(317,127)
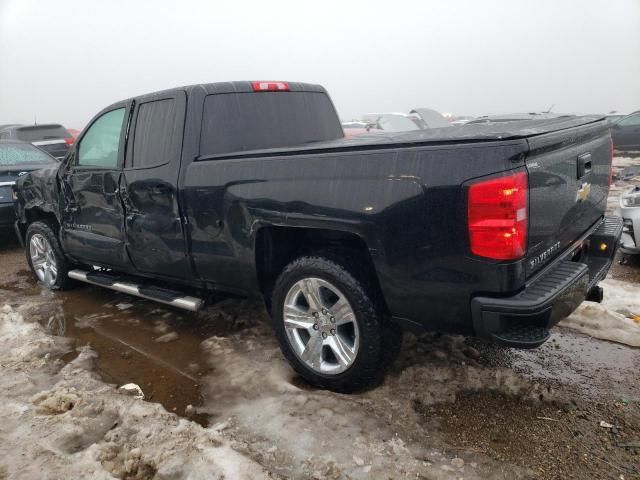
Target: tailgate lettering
(539,260)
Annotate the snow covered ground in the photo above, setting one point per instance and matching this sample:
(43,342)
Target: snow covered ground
(616,319)
(62,421)
(68,423)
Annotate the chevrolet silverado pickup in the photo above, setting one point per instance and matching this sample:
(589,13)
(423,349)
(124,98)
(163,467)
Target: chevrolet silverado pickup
(494,230)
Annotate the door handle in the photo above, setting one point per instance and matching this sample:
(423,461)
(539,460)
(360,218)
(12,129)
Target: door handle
(583,165)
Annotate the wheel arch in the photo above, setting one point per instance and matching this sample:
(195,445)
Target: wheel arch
(277,246)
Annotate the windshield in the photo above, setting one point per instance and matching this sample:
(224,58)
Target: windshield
(18,154)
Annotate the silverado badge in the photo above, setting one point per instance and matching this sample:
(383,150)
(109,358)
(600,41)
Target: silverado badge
(583,192)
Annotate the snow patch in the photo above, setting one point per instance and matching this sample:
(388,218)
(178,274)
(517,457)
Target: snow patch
(297,431)
(612,319)
(75,426)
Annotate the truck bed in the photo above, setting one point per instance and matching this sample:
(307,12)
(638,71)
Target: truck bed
(434,136)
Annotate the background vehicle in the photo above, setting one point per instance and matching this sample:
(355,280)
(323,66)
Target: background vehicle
(17,158)
(52,138)
(459,121)
(629,210)
(514,117)
(355,128)
(393,122)
(626,133)
(431,118)
(613,118)
(480,229)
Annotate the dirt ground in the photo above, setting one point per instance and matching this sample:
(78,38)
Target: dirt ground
(220,401)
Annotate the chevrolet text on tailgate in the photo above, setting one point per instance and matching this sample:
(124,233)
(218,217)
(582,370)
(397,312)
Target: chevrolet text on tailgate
(495,230)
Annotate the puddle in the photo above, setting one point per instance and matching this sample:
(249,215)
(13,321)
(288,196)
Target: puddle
(125,332)
(137,341)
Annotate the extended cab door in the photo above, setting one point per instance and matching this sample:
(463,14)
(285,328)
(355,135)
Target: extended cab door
(153,222)
(93,219)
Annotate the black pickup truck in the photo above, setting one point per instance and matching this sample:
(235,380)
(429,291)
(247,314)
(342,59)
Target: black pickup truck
(494,230)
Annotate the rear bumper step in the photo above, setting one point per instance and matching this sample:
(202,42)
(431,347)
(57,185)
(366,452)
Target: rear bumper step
(156,294)
(525,336)
(524,319)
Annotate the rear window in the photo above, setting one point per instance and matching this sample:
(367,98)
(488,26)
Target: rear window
(37,133)
(16,154)
(237,122)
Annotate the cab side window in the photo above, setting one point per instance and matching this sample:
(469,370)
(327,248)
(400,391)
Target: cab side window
(99,146)
(156,139)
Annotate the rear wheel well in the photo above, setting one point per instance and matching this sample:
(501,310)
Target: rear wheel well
(276,247)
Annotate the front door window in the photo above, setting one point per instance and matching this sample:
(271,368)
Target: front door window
(99,146)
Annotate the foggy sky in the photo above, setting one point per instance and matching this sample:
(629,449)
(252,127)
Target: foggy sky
(64,60)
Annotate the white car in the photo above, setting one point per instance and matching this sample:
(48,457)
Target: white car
(629,210)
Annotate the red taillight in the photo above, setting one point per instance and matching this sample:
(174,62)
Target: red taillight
(270,86)
(497,217)
(69,141)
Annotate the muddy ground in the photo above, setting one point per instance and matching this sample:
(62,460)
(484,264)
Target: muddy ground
(450,407)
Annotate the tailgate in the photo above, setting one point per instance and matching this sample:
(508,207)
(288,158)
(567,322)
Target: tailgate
(568,187)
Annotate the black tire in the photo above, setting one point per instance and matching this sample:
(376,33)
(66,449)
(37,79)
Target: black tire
(62,281)
(372,356)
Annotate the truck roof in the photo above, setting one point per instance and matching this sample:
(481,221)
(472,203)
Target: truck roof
(230,87)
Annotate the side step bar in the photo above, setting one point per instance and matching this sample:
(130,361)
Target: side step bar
(162,295)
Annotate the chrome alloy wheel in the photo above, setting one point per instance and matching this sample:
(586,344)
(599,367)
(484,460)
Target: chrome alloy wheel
(321,326)
(43,259)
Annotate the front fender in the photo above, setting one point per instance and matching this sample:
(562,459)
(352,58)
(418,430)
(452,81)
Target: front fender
(37,191)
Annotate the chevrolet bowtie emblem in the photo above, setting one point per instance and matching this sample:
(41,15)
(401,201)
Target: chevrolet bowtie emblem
(583,192)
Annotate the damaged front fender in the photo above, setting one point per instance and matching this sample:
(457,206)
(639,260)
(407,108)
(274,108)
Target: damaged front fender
(37,194)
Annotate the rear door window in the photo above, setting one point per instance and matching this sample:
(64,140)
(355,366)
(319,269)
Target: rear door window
(157,134)
(236,122)
(99,145)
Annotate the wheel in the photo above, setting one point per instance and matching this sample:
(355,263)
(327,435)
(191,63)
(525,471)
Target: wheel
(45,256)
(328,327)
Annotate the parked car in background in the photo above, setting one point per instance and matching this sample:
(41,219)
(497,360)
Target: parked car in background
(16,159)
(614,117)
(393,122)
(355,128)
(431,118)
(458,121)
(629,210)
(53,138)
(626,132)
(515,117)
